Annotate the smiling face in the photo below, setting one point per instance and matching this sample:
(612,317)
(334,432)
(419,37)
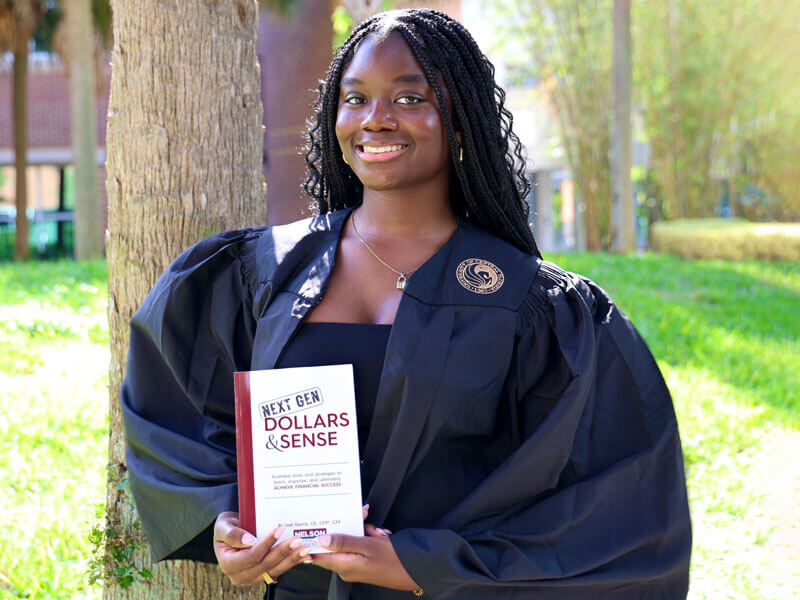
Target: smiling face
(388,123)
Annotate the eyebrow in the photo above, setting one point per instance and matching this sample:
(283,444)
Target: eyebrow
(399,79)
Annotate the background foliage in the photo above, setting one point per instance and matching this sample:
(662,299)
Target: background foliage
(718,84)
(565,45)
(715,87)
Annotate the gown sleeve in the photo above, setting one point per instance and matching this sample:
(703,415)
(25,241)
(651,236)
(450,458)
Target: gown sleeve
(592,503)
(194,329)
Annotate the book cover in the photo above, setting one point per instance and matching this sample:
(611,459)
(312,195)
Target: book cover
(297,452)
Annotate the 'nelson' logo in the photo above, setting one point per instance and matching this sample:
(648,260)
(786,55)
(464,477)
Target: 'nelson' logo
(479,276)
(310,534)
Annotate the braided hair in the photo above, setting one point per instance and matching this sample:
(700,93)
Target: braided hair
(489,183)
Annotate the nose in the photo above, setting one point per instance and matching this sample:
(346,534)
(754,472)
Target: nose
(379,117)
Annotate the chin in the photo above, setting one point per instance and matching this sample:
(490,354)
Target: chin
(386,187)
(380,185)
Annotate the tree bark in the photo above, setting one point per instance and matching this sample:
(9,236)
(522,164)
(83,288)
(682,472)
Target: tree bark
(88,218)
(623,229)
(184,144)
(22,247)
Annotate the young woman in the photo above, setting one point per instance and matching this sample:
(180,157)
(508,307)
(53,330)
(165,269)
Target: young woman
(517,439)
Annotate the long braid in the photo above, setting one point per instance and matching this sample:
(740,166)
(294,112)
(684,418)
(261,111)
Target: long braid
(490,183)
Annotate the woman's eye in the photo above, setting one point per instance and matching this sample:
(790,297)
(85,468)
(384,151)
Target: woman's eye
(409,100)
(354,100)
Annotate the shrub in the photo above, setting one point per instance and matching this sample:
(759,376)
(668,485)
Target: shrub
(732,239)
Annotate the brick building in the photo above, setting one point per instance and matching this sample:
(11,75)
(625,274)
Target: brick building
(49,148)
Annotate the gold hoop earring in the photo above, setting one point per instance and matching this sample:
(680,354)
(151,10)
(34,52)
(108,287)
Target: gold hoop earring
(461,154)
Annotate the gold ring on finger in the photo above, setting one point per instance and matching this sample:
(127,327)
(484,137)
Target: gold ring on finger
(269,579)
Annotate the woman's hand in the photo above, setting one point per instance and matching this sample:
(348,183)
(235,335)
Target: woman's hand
(245,560)
(370,559)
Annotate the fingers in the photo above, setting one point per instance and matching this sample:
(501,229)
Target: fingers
(249,569)
(277,561)
(245,559)
(343,563)
(227,530)
(370,560)
(340,542)
(237,560)
(371,531)
(296,553)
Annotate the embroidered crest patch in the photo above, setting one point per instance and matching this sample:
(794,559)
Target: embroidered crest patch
(479,276)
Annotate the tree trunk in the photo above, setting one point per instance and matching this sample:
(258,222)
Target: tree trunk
(22,246)
(591,213)
(184,145)
(303,39)
(623,229)
(88,219)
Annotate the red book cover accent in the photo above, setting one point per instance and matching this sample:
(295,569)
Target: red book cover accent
(244,452)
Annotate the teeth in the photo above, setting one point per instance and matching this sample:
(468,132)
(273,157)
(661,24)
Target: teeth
(380,149)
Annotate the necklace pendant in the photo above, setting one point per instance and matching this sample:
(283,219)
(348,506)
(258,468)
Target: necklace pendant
(401,282)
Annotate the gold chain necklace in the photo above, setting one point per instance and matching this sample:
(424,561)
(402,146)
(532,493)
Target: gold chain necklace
(402,278)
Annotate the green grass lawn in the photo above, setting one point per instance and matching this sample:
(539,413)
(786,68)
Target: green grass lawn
(53,424)
(727,337)
(725,334)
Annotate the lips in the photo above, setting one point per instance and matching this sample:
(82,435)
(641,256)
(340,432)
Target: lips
(379,153)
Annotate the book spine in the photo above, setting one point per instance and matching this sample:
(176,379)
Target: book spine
(244,452)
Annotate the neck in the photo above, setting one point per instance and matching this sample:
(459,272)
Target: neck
(405,214)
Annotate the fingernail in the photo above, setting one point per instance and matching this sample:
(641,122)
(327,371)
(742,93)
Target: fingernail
(305,551)
(323,540)
(388,531)
(295,543)
(385,532)
(248,539)
(366,506)
(278,532)
(308,561)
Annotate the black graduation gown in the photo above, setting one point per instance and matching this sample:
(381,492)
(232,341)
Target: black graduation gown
(523,442)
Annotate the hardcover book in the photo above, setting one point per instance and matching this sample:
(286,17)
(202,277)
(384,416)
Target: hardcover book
(297,452)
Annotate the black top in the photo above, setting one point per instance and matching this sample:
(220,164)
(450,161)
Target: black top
(361,344)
